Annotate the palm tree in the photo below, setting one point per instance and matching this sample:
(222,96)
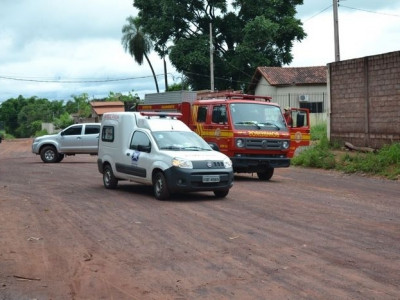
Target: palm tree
(137,43)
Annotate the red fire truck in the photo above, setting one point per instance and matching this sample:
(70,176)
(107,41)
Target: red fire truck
(250,129)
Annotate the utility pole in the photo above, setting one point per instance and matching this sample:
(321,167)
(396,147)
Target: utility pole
(336,29)
(211,60)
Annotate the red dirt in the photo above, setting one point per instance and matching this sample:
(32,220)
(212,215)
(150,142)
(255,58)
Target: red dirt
(306,234)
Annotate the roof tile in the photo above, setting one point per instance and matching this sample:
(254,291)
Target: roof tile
(298,75)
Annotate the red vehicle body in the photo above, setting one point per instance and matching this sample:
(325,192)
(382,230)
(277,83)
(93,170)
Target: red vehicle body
(249,129)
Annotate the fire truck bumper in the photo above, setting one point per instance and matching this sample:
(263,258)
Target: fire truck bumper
(258,164)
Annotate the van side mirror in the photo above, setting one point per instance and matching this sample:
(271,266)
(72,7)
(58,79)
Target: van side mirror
(144,148)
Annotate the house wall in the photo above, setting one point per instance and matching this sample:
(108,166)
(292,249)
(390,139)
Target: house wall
(365,100)
(49,127)
(315,98)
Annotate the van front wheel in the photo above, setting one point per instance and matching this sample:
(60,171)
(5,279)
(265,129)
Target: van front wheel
(109,180)
(221,194)
(160,186)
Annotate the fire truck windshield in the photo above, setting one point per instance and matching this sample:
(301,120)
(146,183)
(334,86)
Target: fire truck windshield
(257,116)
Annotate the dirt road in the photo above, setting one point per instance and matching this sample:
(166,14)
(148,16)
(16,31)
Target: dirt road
(306,234)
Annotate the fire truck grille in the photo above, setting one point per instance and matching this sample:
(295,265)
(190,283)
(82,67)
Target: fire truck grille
(263,144)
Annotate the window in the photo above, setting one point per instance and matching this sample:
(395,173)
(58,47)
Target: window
(140,141)
(75,130)
(219,114)
(107,134)
(92,129)
(202,114)
(314,107)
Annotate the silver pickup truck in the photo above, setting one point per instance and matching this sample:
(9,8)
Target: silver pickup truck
(75,139)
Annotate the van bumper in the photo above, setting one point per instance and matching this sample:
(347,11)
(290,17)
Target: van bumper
(192,180)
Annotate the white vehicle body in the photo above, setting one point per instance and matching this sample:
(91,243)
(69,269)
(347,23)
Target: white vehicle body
(162,152)
(82,138)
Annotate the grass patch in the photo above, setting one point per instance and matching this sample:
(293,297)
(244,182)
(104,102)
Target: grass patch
(386,162)
(317,156)
(322,154)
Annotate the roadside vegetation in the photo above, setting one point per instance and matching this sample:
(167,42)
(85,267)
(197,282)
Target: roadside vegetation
(23,117)
(322,154)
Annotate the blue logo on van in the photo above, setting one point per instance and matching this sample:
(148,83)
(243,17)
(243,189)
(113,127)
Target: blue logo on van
(135,156)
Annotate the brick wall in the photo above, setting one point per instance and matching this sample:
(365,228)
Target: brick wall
(365,100)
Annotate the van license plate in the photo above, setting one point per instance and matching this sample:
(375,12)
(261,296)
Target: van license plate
(211,178)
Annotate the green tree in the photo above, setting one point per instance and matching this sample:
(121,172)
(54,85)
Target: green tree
(9,110)
(63,121)
(80,105)
(137,43)
(254,33)
(131,97)
(21,116)
(32,114)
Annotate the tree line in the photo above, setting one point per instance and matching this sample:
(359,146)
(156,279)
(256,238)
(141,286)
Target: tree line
(23,117)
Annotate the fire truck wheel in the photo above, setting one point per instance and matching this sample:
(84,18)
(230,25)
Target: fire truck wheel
(161,191)
(266,175)
(221,194)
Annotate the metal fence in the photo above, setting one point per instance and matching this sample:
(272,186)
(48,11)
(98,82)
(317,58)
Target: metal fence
(315,102)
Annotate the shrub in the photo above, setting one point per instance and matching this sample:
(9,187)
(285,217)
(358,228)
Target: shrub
(317,156)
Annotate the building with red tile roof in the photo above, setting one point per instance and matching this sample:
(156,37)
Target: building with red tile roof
(101,107)
(304,87)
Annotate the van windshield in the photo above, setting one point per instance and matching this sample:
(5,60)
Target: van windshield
(180,141)
(256,116)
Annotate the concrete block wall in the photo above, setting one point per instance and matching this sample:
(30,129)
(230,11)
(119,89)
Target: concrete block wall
(365,100)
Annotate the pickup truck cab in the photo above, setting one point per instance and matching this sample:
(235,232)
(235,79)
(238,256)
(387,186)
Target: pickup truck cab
(80,138)
(160,151)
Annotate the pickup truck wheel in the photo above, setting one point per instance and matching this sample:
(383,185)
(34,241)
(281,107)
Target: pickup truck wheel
(109,180)
(161,191)
(49,154)
(266,175)
(221,194)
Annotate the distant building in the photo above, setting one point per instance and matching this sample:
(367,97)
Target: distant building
(101,107)
(304,87)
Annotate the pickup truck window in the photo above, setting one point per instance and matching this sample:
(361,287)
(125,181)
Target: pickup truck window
(74,130)
(92,129)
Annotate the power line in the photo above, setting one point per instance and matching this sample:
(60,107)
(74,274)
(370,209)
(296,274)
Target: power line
(326,8)
(33,79)
(370,11)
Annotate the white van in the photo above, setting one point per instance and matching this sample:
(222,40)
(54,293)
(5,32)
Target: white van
(161,151)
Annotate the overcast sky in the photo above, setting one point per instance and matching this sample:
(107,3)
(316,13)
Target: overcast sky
(44,43)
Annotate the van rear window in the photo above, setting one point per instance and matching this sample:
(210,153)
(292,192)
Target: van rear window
(107,134)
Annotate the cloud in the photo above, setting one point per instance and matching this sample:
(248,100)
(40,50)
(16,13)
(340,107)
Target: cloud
(80,42)
(45,40)
(362,32)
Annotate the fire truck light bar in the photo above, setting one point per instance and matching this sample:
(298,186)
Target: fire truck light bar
(160,114)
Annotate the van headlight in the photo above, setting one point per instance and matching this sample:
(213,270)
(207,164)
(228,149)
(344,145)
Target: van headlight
(182,163)
(285,144)
(227,163)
